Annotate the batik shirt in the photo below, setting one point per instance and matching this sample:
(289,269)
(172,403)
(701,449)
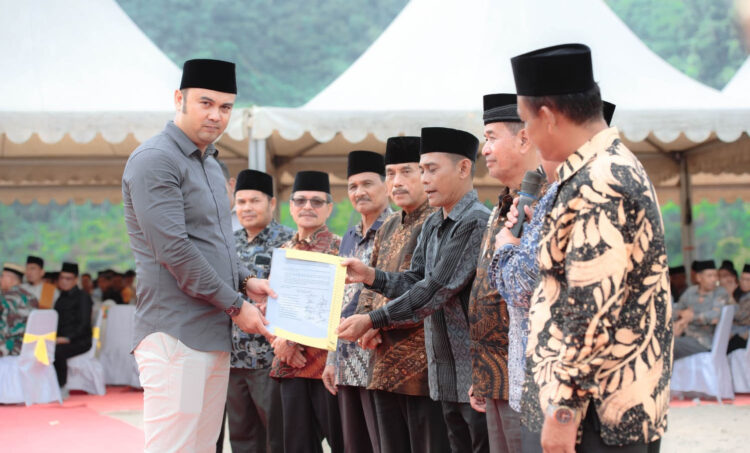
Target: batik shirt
(601,329)
(707,311)
(436,288)
(353,364)
(488,316)
(253,351)
(321,241)
(515,269)
(15,306)
(400,363)
(742,314)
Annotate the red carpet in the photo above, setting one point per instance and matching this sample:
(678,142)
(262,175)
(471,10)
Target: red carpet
(77,426)
(80,426)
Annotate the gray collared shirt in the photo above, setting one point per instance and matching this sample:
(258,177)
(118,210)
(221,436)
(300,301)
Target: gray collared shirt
(178,218)
(436,288)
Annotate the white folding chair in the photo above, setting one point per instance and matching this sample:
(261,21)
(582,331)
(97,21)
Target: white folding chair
(739,362)
(30,377)
(118,363)
(84,370)
(708,372)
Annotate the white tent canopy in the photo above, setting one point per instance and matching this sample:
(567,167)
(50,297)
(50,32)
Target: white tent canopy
(81,86)
(434,62)
(738,89)
(79,67)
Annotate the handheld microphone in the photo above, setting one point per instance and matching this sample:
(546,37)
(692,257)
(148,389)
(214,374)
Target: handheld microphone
(530,187)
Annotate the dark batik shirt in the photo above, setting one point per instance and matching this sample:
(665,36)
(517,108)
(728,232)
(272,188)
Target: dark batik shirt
(351,361)
(400,364)
(436,288)
(15,306)
(249,350)
(601,329)
(321,241)
(488,316)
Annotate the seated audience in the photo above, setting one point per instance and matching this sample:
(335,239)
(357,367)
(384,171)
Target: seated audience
(44,292)
(698,311)
(677,281)
(729,280)
(741,325)
(128,287)
(15,306)
(87,285)
(74,322)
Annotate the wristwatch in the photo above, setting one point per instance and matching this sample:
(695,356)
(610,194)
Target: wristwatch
(563,414)
(235,308)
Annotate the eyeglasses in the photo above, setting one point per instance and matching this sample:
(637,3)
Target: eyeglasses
(316,203)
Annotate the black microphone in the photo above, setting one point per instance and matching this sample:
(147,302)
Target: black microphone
(530,187)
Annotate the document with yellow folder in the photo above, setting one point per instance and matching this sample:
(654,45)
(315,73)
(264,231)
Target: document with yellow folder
(310,289)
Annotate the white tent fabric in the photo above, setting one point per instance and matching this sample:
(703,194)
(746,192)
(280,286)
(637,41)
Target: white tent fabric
(437,59)
(80,67)
(443,56)
(82,86)
(738,88)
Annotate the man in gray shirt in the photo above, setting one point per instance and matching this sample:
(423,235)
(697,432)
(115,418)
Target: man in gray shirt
(177,215)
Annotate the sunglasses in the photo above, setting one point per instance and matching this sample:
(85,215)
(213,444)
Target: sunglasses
(316,203)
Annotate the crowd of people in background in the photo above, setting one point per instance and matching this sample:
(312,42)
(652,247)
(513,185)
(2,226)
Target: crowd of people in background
(698,304)
(76,297)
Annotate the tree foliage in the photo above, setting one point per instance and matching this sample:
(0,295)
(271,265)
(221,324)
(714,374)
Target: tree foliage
(701,38)
(289,50)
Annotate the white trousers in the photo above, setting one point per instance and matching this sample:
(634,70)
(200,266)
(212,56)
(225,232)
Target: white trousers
(184,392)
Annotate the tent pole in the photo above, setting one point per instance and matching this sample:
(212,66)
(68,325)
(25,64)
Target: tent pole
(686,212)
(256,153)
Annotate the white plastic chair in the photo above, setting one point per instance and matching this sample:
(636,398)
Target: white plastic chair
(708,372)
(26,378)
(84,370)
(118,363)
(739,362)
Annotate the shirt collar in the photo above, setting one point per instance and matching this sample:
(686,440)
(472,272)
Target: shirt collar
(313,237)
(463,204)
(264,233)
(184,143)
(411,217)
(599,142)
(375,225)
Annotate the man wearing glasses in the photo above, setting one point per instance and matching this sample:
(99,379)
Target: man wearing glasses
(254,398)
(310,413)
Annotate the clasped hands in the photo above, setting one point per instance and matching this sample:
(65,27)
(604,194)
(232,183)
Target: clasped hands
(355,327)
(251,318)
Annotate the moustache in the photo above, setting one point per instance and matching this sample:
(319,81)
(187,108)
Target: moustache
(399,192)
(362,198)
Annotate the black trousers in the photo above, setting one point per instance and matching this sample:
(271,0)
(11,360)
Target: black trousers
(310,414)
(65,351)
(410,424)
(591,441)
(358,422)
(467,428)
(256,424)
